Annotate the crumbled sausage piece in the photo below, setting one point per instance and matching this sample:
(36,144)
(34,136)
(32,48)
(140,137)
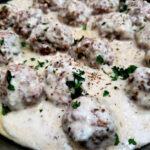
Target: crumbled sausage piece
(9,46)
(50,38)
(139,87)
(89,50)
(89,122)
(27,86)
(115,25)
(143,36)
(103,6)
(56,77)
(27,20)
(139,11)
(7,16)
(45,5)
(75,13)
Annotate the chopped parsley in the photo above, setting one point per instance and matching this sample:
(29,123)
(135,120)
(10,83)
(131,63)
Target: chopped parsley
(24,61)
(80,55)
(3,8)
(1,52)
(84,27)
(9,78)
(100,59)
(46,29)
(123,8)
(40,110)
(24,44)
(40,64)
(28,25)
(124,73)
(142,27)
(77,41)
(75,84)
(75,105)
(132,141)
(32,59)
(115,87)
(5,110)
(103,23)
(45,23)
(145,20)
(106,93)
(46,61)
(116,139)
(54,71)
(1,42)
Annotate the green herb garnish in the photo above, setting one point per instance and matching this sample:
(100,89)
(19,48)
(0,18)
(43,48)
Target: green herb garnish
(75,105)
(23,44)
(84,27)
(5,110)
(106,93)
(77,41)
(132,141)
(100,59)
(9,78)
(32,59)
(1,42)
(116,139)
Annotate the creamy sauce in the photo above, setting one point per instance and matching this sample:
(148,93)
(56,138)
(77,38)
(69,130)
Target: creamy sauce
(43,130)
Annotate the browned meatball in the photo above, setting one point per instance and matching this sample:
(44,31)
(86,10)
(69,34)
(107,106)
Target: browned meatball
(50,38)
(89,123)
(9,46)
(103,6)
(139,87)
(92,52)
(7,16)
(20,86)
(27,20)
(75,13)
(45,5)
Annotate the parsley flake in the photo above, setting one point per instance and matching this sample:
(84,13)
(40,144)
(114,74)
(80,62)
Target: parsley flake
(116,139)
(9,78)
(100,59)
(132,141)
(32,59)
(103,23)
(23,44)
(84,27)
(46,29)
(5,110)
(142,27)
(1,42)
(77,41)
(40,110)
(75,105)
(106,93)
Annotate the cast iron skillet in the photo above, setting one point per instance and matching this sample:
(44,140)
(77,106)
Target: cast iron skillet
(6,144)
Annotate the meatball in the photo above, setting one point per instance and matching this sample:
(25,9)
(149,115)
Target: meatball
(139,87)
(27,20)
(89,123)
(143,36)
(75,13)
(45,5)
(56,78)
(147,58)
(20,86)
(139,11)
(92,52)
(115,25)
(103,6)
(7,16)
(50,38)
(9,46)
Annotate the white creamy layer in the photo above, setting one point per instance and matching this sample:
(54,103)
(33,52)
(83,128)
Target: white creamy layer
(43,130)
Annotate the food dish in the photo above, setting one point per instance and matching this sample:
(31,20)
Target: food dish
(74,74)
